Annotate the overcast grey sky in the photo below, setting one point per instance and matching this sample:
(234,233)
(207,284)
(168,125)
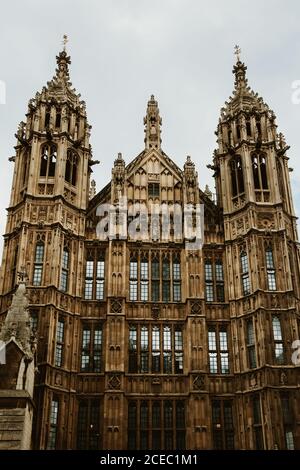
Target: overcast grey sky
(122,51)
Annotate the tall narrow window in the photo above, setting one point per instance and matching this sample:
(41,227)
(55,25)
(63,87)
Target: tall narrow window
(133,364)
(176,279)
(237,177)
(60,329)
(166,280)
(156,345)
(144,425)
(48,160)
(65,270)
(212,351)
(88,425)
(270,269)
(144,280)
(218,350)
(133,279)
(222,421)
(209,287)
(259,171)
(100,275)
(167,350)
(251,344)
(278,342)
(248,127)
(288,421)
(178,351)
(155,277)
(132,427)
(257,423)
(58,118)
(51,444)
(38,264)
(86,348)
(47,117)
(156,424)
(89,274)
(144,364)
(219,281)
(245,273)
(34,320)
(91,348)
(71,167)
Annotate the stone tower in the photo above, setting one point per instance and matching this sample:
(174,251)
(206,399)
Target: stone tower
(17,375)
(262,258)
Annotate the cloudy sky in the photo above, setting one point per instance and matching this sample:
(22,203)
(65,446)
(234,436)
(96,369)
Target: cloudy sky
(124,50)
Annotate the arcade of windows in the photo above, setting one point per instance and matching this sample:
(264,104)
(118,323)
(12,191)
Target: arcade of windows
(259,174)
(155,349)
(155,277)
(49,159)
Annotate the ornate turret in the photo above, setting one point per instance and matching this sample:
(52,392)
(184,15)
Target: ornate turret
(53,153)
(152,123)
(248,150)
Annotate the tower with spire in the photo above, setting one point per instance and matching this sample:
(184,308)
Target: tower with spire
(144,342)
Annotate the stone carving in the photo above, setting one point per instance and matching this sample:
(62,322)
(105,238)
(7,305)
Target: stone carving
(199,382)
(114,382)
(196,308)
(155,311)
(116,306)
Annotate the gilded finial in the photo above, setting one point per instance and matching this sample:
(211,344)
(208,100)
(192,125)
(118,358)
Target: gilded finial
(237,52)
(65,41)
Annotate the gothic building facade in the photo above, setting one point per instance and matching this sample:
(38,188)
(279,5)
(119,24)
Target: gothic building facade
(144,342)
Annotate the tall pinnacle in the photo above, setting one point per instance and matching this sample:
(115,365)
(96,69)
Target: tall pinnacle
(239,70)
(17,324)
(152,122)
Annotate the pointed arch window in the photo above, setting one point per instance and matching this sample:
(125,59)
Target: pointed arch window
(259,170)
(48,160)
(248,127)
(38,263)
(237,176)
(71,167)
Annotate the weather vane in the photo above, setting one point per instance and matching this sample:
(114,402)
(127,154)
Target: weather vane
(64,41)
(237,51)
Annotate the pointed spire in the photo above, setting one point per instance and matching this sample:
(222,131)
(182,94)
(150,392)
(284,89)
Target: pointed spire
(152,122)
(63,61)
(239,70)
